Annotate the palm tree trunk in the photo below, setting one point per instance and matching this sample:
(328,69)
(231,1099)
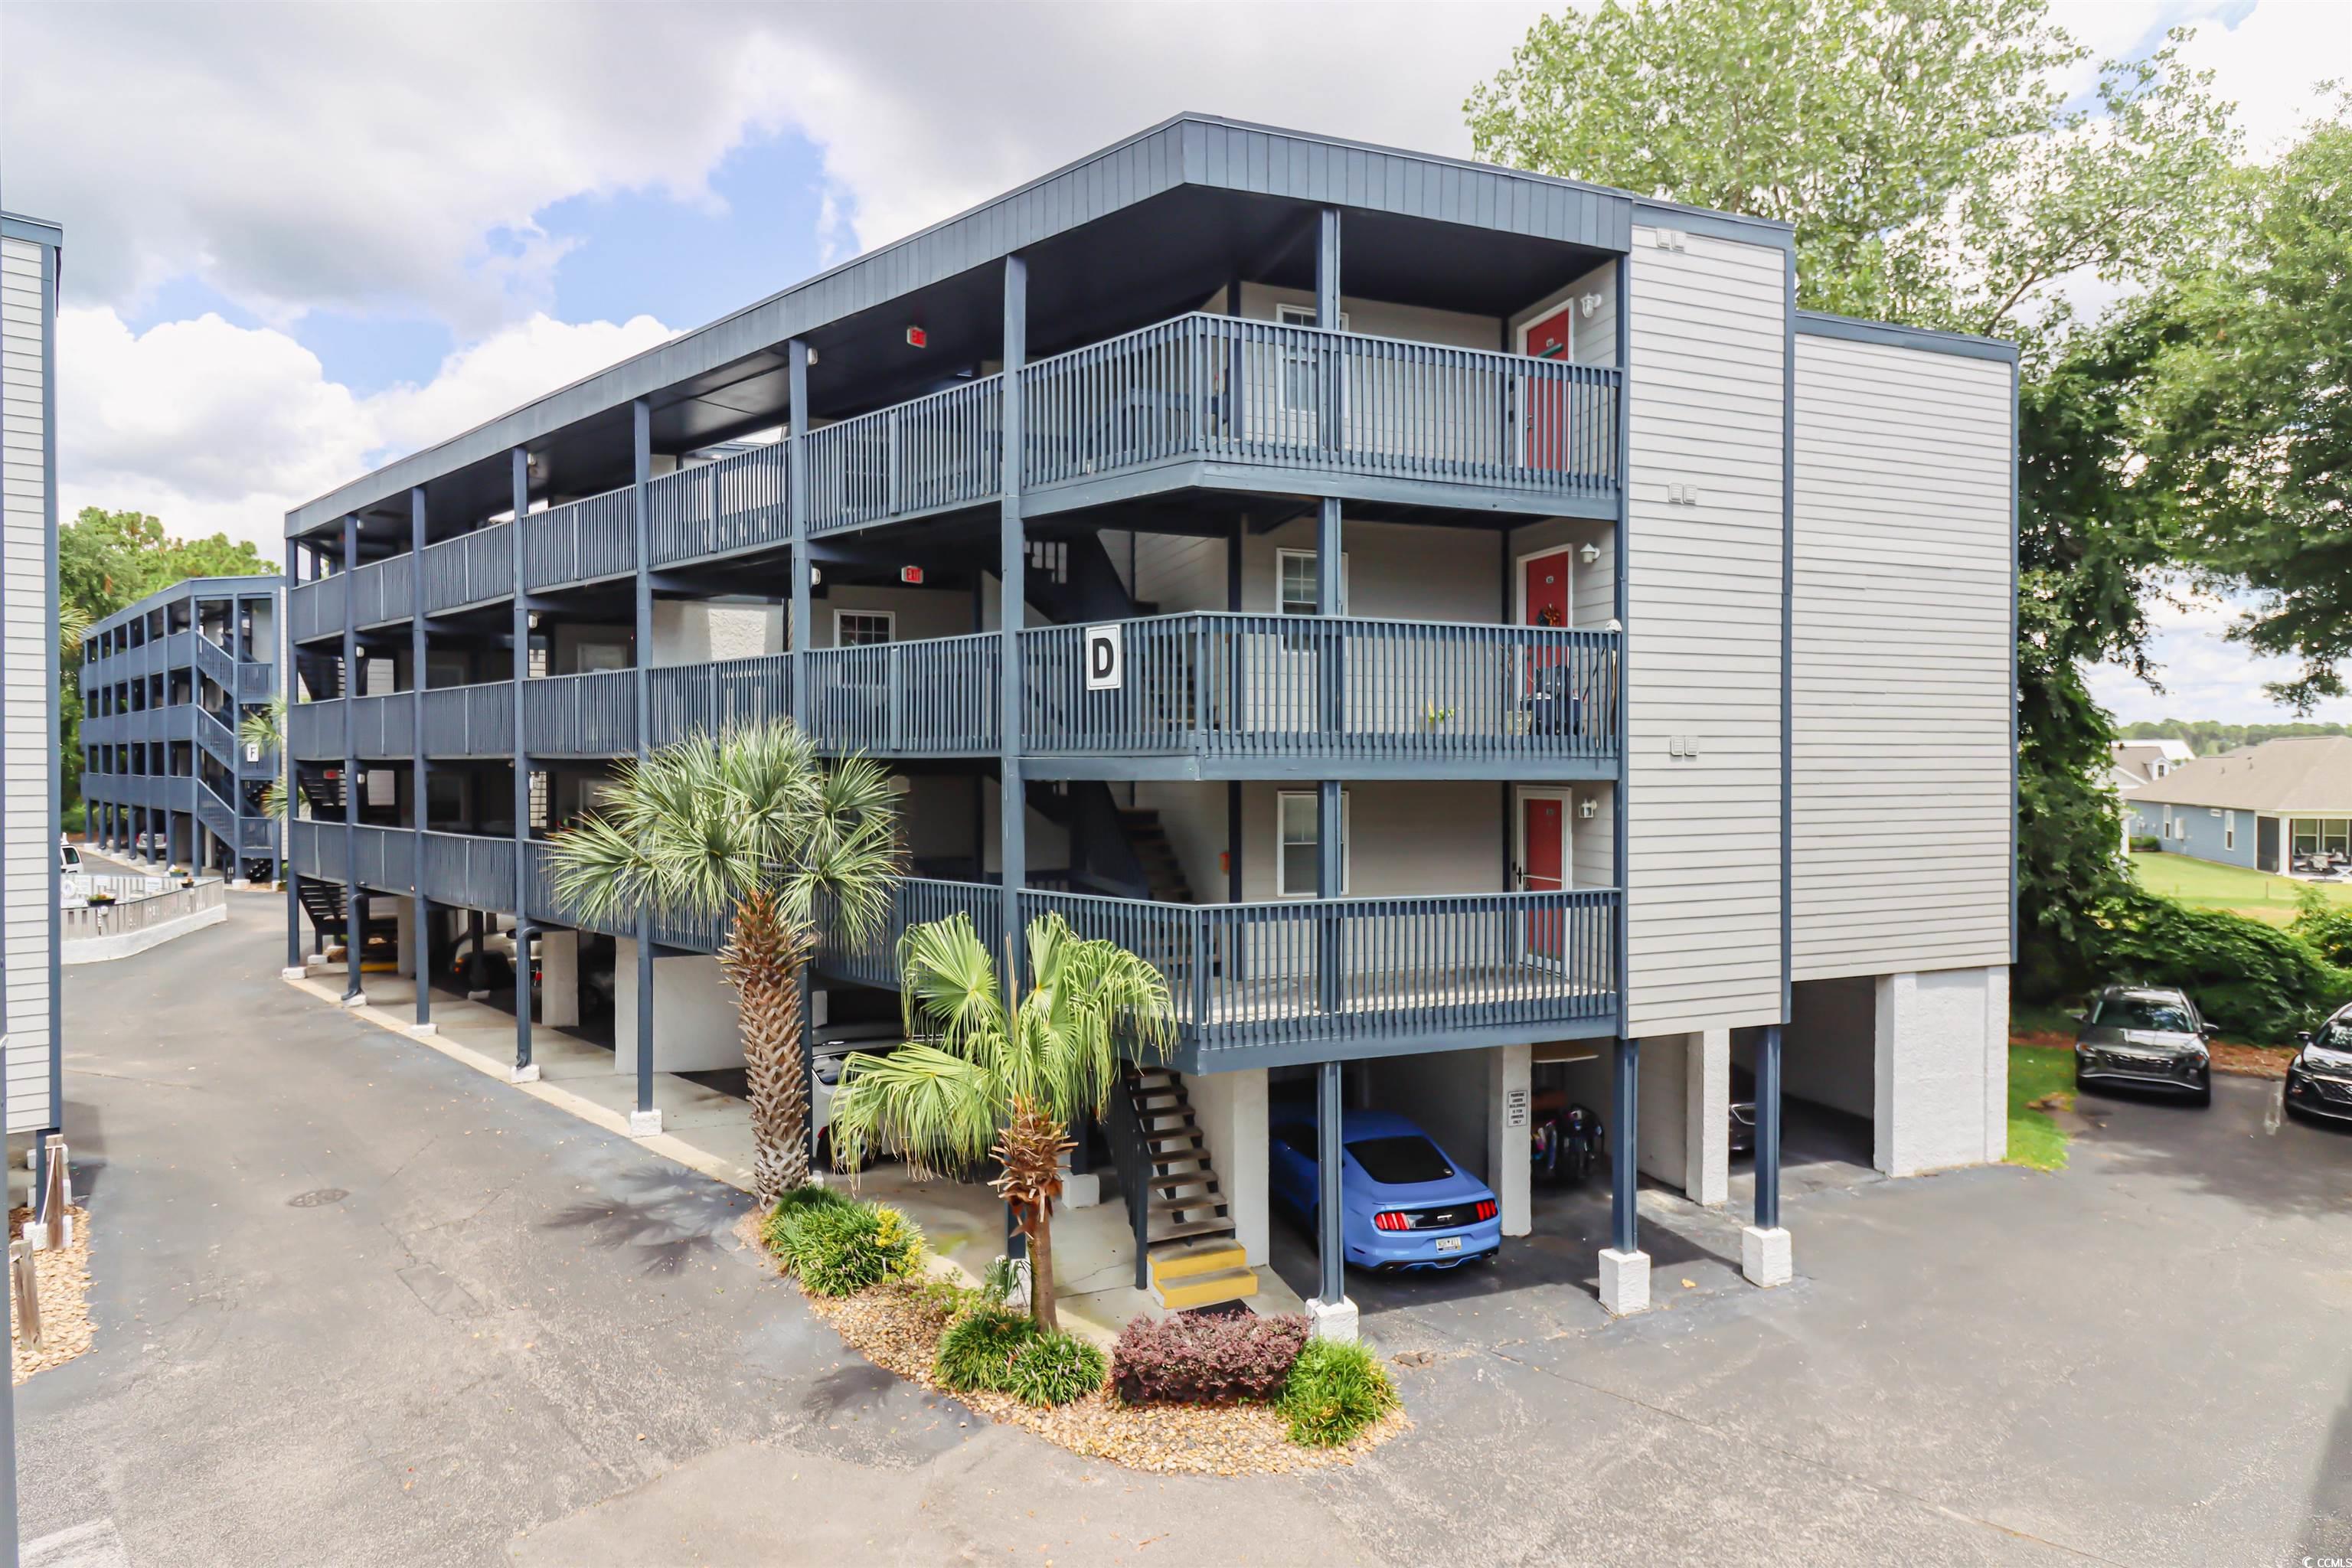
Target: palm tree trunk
(763,958)
(1038,1227)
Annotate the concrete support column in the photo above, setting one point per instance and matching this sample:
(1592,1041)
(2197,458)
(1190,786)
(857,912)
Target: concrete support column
(409,926)
(1229,1108)
(1685,1102)
(1940,1047)
(1625,1267)
(558,979)
(353,928)
(1332,1313)
(644,1121)
(1012,611)
(698,1026)
(1509,1089)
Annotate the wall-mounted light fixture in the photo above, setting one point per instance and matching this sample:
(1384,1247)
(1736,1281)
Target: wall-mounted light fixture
(1590,303)
(1590,553)
(1588,808)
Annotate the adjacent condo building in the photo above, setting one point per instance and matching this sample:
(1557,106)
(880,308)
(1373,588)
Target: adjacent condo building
(1467,628)
(167,686)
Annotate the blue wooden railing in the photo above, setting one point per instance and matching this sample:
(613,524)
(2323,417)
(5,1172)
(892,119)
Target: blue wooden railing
(739,503)
(470,569)
(1300,686)
(936,452)
(475,720)
(581,541)
(931,698)
(1261,393)
(591,715)
(690,700)
(1302,974)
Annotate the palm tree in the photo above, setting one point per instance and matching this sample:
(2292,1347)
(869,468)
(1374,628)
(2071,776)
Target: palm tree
(266,727)
(1006,1084)
(747,823)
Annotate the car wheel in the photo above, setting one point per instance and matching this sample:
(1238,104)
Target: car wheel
(2205,1091)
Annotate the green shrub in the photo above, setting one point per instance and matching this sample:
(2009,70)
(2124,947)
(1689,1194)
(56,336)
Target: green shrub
(1334,1393)
(1054,1369)
(2260,982)
(2146,843)
(2327,926)
(840,1248)
(1003,1276)
(790,1206)
(976,1354)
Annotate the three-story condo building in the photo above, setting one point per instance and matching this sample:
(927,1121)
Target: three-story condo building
(165,685)
(1465,626)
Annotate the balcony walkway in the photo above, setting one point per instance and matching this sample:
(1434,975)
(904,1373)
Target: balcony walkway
(1198,401)
(1251,985)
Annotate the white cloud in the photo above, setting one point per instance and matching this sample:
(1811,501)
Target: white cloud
(219,428)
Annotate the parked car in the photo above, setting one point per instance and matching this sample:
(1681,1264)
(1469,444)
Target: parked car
(68,856)
(1743,1111)
(2319,1079)
(834,1044)
(2145,1037)
(1406,1203)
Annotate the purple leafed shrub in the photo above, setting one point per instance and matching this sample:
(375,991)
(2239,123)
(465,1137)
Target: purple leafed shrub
(1205,1360)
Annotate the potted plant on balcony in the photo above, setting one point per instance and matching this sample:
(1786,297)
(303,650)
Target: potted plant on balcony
(747,823)
(1007,1082)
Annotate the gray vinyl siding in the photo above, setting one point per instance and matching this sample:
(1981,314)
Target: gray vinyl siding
(2204,832)
(1703,621)
(1902,661)
(28,747)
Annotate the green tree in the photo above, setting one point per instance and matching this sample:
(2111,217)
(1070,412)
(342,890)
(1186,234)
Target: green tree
(2250,425)
(1935,178)
(747,823)
(1007,1083)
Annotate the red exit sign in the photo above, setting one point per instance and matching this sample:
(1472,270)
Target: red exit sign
(913,574)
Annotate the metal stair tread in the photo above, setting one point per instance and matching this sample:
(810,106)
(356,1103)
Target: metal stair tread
(1190,1290)
(1159,1233)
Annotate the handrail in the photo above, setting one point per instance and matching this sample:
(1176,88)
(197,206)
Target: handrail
(587,715)
(739,502)
(1130,1155)
(934,696)
(581,541)
(1263,392)
(1259,685)
(474,720)
(690,700)
(934,451)
(469,569)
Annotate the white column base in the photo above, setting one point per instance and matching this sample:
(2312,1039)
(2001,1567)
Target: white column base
(423,1030)
(1625,1281)
(357,999)
(1080,1192)
(297,972)
(1332,1320)
(528,1073)
(239,882)
(645,1123)
(1764,1256)
(477,996)
(315,963)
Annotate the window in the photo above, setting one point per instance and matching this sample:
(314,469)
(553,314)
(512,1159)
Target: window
(1294,852)
(863,629)
(1295,582)
(1301,377)
(2229,830)
(2149,1012)
(1404,1159)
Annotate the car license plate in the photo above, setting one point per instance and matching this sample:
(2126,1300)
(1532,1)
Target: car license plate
(1449,1244)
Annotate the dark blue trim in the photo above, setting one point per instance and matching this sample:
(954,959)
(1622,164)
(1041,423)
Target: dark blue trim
(51,256)
(37,231)
(1620,840)
(1788,643)
(1821,324)
(2015,544)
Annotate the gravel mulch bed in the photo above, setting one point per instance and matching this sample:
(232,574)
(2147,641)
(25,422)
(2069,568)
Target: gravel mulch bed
(64,1274)
(897,1330)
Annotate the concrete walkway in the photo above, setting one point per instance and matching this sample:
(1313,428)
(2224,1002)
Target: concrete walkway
(358,1304)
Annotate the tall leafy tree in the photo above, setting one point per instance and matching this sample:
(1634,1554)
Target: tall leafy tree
(2249,423)
(1924,153)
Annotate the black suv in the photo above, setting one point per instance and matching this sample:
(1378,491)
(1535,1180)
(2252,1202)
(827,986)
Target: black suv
(2319,1079)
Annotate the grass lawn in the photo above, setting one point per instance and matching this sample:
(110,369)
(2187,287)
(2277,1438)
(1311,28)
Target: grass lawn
(2035,1138)
(2207,886)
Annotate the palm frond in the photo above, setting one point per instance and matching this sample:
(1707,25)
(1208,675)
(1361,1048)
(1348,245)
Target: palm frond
(937,1106)
(265,726)
(948,987)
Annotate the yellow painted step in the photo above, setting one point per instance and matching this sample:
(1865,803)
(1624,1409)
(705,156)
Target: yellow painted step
(1206,1257)
(1207,1289)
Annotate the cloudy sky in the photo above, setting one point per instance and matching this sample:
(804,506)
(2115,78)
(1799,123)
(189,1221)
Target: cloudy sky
(302,240)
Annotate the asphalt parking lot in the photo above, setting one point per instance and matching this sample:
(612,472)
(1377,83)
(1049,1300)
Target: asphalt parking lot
(515,1338)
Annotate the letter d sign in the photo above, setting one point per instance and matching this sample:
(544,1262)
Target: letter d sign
(1106,659)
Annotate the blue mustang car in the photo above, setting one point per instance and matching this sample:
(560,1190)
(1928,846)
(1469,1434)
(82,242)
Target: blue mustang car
(1408,1205)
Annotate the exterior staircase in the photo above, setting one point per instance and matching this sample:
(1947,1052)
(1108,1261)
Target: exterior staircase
(1192,1255)
(1163,874)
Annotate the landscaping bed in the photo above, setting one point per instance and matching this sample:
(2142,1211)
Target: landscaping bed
(64,1276)
(896,1305)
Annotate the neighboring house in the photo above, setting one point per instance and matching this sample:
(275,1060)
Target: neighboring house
(1243,543)
(2284,806)
(164,685)
(2140,762)
(30,772)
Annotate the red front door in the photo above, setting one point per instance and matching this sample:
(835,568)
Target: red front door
(1543,869)
(1543,594)
(1547,411)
